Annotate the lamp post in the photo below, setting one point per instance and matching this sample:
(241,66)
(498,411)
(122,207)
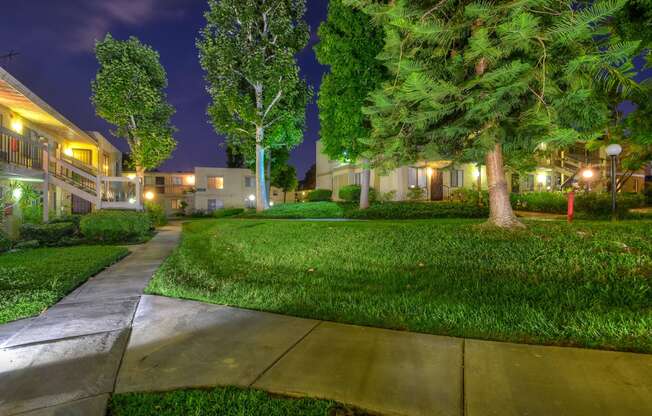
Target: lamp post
(613,150)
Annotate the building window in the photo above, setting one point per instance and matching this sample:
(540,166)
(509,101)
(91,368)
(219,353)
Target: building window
(530,183)
(83,155)
(149,180)
(215,182)
(160,184)
(177,180)
(457,178)
(175,204)
(250,182)
(417,177)
(214,204)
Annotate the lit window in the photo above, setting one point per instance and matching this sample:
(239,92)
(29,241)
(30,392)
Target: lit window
(417,177)
(457,178)
(215,182)
(175,204)
(177,180)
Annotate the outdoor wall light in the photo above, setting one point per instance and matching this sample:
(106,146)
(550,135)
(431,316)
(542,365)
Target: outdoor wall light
(271,203)
(476,173)
(252,197)
(429,170)
(587,173)
(149,195)
(131,176)
(541,178)
(17,193)
(17,125)
(190,180)
(132,201)
(68,152)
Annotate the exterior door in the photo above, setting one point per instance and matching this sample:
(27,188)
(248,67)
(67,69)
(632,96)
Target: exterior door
(79,206)
(436,185)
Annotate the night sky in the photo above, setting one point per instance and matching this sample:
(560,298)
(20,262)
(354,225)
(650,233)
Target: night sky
(55,42)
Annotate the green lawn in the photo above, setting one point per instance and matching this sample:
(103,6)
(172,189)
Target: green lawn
(229,401)
(32,280)
(586,284)
(313,210)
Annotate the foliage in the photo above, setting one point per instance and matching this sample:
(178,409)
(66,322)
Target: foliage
(351,193)
(583,284)
(419,210)
(598,204)
(50,234)
(310,178)
(416,194)
(348,43)
(284,177)
(247,50)
(5,242)
(128,92)
(320,195)
(550,202)
(156,213)
(32,280)
(303,210)
(387,196)
(224,401)
(470,196)
(227,212)
(116,226)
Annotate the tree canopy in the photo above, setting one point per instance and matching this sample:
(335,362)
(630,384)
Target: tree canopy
(129,93)
(349,44)
(247,50)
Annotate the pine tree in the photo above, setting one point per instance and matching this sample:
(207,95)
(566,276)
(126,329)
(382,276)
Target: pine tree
(477,79)
(248,50)
(349,44)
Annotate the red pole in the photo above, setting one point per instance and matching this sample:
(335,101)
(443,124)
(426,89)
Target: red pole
(571,206)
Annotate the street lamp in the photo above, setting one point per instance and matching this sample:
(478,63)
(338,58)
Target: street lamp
(613,150)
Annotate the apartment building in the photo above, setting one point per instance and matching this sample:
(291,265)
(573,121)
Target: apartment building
(439,179)
(205,189)
(75,171)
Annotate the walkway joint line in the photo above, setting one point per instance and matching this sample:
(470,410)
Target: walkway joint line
(280,357)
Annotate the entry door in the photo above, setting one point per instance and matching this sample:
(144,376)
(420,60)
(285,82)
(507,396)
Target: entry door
(436,185)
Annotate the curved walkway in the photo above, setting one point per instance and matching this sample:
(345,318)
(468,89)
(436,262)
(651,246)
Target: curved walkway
(106,336)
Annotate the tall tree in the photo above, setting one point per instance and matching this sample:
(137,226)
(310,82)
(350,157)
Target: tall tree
(476,79)
(234,157)
(309,180)
(349,44)
(129,93)
(247,50)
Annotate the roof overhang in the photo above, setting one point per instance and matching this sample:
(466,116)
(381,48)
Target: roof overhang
(20,100)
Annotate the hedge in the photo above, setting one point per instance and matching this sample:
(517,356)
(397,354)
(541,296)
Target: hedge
(591,204)
(419,210)
(156,214)
(318,195)
(550,202)
(227,212)
(116,226)
(50,234)
(351,193)
(5,242)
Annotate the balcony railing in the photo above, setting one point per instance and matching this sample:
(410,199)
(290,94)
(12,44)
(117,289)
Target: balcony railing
(169,189)
(18,150)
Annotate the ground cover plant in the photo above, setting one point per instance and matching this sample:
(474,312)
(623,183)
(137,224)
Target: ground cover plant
(585,284)
(224,401)
(32,280)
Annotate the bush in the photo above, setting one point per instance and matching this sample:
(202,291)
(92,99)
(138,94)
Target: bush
(387,196)
(50,234)
(116,226)
(72,219)
(156,214)
(416,194)
(351,193)
(5,242)
(32,214)
(598,204)
(419,210)
(227,212)
(470,196)
(551,202)
(318,195)
(323,209)
(24,245)
(648,195)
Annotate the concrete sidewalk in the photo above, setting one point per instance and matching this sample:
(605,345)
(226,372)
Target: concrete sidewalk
(65,361)
(178,343)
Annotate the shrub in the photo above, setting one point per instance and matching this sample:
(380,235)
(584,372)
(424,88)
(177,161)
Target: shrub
(470,196)
(116,226)
(387,196)
(551,202)
(318,195)
(598,204)
(227,212)
(323,209)
(419,210)
(5,242)
(156,214)
(24,245)
(32,214)
(416,194)
(351,193)
(50,234)
(72,219)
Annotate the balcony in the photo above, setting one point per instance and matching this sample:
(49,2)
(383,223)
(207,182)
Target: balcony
(169,189)
(20,151)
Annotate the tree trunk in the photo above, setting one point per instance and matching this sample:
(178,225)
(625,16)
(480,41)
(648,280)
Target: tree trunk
(285,194)
(261,188)
(500,209)
(140,177)
(364,188)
